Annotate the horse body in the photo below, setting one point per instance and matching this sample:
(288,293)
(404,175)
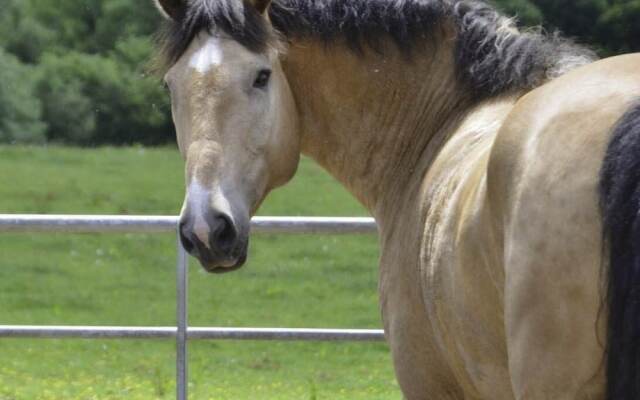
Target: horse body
(549,154)
(511,258)
(465,225)
(490,230)
(457,238)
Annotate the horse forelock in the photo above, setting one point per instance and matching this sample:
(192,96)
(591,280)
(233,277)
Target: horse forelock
(492,55)
(237,19)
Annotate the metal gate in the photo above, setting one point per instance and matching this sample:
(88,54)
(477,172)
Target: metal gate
(182,332)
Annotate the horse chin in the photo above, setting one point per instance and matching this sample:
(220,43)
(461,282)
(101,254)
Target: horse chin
(223,267)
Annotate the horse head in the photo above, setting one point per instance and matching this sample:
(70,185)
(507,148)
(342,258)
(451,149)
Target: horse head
(235,120)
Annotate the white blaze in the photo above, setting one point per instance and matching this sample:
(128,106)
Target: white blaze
(207,56)
(198,198)
(200,201)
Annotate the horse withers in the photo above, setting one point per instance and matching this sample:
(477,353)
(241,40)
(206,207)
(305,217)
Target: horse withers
(502,168)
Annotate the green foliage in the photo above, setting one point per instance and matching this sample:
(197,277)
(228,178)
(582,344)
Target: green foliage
(92,26)
(124,19)
(73,22)
(21,33)
(574,17)
(68,110)
(619,26)
(96,99)
(527,13)
(610,26)
(19,109)
(88,60)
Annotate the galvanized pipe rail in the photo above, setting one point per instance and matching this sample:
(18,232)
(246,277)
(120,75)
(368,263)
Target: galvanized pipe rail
(182,332)
(193,333)
(156,224)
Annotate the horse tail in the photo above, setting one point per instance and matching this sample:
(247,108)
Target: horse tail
(620,206)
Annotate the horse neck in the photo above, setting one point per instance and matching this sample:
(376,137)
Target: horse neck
(375,121)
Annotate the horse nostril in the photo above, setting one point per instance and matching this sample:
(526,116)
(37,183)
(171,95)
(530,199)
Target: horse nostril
(223,232)
(185,238)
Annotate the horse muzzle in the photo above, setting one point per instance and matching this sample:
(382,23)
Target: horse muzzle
(215,240)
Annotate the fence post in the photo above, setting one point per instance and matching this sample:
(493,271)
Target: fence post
(181,334)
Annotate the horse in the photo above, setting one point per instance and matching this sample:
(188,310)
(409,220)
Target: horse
(502,168)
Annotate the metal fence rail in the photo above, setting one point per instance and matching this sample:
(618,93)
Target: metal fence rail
(182,332)
(164,332)
(154,224)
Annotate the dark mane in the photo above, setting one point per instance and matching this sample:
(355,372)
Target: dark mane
(492,56)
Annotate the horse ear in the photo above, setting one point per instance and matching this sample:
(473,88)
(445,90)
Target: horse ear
(171,9)
(261,5)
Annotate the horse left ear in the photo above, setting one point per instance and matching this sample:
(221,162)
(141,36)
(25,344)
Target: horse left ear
(261,5)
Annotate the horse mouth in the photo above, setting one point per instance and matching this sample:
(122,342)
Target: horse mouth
(224,267)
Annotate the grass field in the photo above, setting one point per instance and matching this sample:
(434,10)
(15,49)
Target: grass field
(292,281)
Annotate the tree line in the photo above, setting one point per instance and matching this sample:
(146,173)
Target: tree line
(76,71)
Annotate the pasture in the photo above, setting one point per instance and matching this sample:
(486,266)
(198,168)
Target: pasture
(292,281)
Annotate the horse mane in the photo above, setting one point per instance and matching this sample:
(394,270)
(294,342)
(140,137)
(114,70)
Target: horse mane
(492,55)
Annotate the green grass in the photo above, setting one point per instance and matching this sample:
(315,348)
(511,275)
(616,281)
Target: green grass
(100,279)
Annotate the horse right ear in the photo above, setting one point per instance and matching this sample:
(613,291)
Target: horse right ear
(171,9)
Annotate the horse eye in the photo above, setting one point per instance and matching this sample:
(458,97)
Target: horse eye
(262,79)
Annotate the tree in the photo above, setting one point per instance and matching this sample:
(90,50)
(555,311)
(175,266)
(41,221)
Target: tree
(20,109)
(610,26)
(619,26)
(21,33)
(91,73)
(526,13)
(92,99)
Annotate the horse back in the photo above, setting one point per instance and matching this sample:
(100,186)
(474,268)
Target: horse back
(549,125)
(542,183)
